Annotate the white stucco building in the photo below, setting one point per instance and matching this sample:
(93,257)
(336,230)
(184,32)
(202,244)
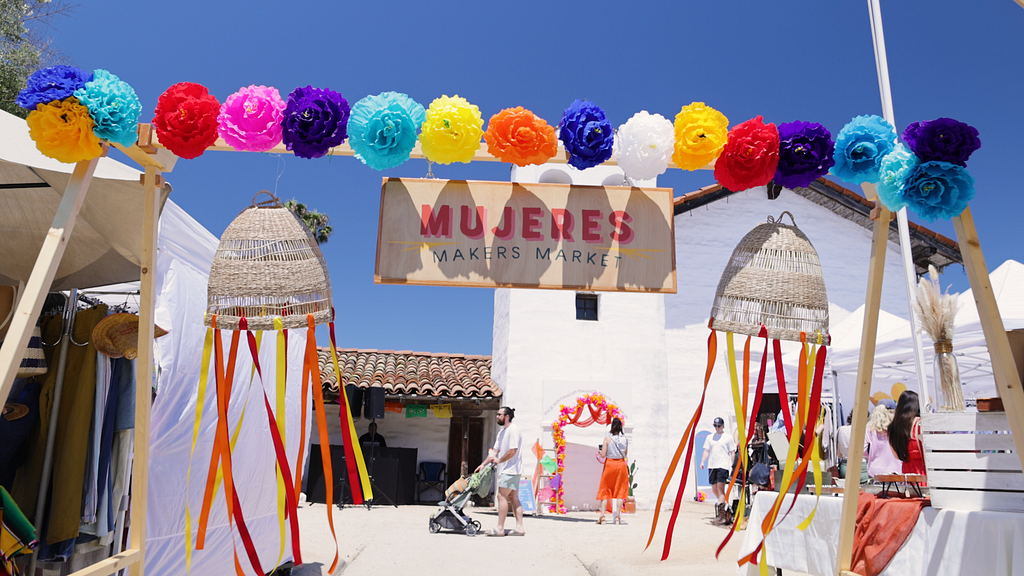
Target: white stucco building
(647,352)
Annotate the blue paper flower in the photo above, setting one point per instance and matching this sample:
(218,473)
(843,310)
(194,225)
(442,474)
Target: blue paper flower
(587,135)
(315,120)
(860,147)
(893,172)
(49,84)
(938,190)
(114,107)
(382,129)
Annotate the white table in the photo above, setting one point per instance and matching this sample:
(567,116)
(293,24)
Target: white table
(943,542)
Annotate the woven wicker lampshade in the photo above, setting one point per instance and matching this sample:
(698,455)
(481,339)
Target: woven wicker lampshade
(268,266)
(773,278)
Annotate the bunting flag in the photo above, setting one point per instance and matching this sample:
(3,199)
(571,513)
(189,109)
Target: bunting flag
(392,406)
(441,410)
(415,411)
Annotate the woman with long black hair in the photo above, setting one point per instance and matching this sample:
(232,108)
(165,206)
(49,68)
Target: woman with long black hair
(905,433)
(615,477)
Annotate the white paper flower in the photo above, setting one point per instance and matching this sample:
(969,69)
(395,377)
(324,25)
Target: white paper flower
(644,144)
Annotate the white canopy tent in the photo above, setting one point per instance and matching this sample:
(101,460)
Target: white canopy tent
(105,247)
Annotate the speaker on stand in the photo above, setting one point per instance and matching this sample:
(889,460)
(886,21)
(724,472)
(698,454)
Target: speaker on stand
(373,409)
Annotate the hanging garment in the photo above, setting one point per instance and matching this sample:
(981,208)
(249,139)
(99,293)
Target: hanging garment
(70,443)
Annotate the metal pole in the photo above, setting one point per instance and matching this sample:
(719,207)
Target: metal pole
(909,269)
(67,325)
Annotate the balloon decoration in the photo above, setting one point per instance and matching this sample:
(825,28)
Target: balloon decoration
(589,409)
(773,289)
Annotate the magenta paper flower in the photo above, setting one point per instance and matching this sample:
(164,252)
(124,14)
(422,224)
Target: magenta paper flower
(250,119)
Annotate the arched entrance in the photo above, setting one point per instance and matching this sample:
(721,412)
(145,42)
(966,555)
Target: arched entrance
(589,409)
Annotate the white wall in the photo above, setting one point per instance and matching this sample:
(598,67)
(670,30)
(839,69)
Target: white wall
(544,355)
(649,352)
(429,435)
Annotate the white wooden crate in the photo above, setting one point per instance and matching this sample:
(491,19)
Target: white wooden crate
(972,462)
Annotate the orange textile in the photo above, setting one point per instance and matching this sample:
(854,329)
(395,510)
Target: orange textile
(883,524)
(614,480)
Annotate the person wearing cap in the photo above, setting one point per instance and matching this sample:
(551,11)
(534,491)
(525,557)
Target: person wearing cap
(719,452)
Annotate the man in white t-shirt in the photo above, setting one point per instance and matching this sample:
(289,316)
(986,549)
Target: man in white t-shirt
(719,451)
(507,456)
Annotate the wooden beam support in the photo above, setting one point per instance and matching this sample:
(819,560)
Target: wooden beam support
(1004,369)
(482,155)
(144,374)
(41,278)
(862,394)
(111,565)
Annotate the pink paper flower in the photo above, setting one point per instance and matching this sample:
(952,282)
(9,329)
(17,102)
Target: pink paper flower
(250,119)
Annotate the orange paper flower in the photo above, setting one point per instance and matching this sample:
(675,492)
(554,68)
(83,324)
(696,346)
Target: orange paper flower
(63,130)
(518,136)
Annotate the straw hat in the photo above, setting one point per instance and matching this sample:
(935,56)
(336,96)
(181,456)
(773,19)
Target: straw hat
(268,266)
(117,336)
(773,279)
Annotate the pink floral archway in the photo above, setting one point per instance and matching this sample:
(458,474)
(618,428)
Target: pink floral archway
(589,409)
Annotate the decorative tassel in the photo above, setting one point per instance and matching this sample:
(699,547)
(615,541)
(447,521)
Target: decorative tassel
(357,473)
(313,366)
(687,442)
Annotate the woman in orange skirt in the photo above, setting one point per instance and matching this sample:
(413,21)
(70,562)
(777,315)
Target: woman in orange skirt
(615,477)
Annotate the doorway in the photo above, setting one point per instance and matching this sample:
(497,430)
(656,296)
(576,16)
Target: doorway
(465,437)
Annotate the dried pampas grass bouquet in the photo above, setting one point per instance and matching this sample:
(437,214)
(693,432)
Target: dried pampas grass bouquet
(937,311)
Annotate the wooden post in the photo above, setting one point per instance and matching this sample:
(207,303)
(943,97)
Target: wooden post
(41,278)
(1008,382)
(144,373)
(861,398)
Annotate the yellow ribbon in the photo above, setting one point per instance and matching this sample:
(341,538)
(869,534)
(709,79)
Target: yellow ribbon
(200,401)
(282,375)
(364,476)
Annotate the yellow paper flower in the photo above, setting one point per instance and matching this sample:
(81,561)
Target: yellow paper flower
(452,131)
(701,133)
(63,130)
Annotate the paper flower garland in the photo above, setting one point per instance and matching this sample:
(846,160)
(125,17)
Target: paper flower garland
(517,136)
(805,153)
(114,107)
(452,130)
(382,129)
(942,140)
(938,190)
(644,144)
(63,130)
(250,119)
(586,134)
(186,119)
(750,157)
(315,120)
(49,84)
(892,173)
(701,132)
(860,147)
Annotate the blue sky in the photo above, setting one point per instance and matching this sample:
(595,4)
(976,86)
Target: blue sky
(794,60)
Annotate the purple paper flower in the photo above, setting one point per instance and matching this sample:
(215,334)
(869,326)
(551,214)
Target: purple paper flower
(315,120)
(805,153)
(942,140)
(587,134)
(938,190)
(49,84)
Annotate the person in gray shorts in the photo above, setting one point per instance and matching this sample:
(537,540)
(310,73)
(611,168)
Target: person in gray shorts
(507,456)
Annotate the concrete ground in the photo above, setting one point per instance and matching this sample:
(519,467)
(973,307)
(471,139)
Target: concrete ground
(389,540)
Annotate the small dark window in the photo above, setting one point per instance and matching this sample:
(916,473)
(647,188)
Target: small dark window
(586,307)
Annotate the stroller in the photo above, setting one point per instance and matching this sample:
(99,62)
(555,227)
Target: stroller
(450,515)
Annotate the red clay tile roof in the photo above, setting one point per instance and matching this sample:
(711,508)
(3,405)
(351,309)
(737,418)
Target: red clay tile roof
(414,373)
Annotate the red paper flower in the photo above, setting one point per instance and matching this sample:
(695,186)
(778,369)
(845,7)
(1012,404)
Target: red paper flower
(186,119)
(750,156)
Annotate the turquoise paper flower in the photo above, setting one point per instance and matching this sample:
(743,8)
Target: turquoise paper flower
(938,190)
(892,173)
(382,129)
(860,147)
(114,107)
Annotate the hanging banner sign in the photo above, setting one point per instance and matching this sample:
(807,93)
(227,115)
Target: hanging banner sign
(507,234)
